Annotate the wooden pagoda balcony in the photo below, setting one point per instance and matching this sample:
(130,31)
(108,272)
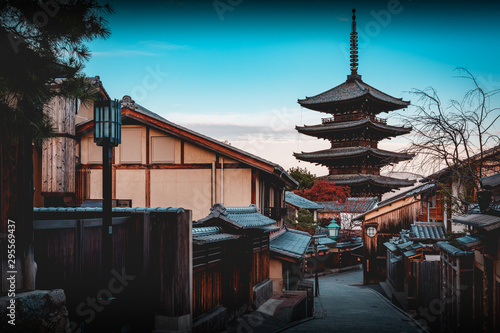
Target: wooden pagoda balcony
(352,117)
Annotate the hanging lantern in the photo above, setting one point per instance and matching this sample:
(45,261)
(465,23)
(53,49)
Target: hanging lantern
(107,122)
(333,229)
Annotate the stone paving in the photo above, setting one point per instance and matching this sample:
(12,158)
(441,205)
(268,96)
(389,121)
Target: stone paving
(345,305)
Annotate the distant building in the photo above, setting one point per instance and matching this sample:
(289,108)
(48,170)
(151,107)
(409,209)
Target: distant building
(295,202)
(388,218)
(354,131)
(345,211)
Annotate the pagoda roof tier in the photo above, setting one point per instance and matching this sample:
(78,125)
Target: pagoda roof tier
(364,179)
(329,129)
(328,156)
(354,94)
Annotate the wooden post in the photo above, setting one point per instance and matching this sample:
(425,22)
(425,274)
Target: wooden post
(172,244)
(106,230)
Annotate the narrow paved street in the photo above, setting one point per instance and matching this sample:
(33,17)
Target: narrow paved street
(345,305)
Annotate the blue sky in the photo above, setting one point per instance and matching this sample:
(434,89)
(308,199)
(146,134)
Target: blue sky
(234,69)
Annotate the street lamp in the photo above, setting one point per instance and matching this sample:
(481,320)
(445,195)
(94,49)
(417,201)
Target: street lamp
(333,229)
(316,281)
(107,134)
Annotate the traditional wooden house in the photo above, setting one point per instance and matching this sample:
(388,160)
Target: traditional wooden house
(354,132)
(413,267)
(294,202)
(234,276)
(160,163)
(484,284)
(387,220)
(288,250)
(485,164)
(456,289)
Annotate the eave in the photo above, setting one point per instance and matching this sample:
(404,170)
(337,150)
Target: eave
(200,140)
(330,130)
(348,153)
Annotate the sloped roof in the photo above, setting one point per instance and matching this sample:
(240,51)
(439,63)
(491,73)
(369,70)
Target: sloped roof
(427,231)
(300,202)
(400,196)
(99,210)
(482,221)
(205,235)
(290,242)
(352,205)
(132,110)
(471,240)
(456,252)
(348,95)
(360,179)
(491,181)
(488,155)
(328,129)
(351,152)
(239,217)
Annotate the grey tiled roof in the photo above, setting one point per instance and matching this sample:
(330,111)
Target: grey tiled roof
(327,241)
(329,129)
(428,231)
(300,202)
(396,259)
(206,235)
(471,240)
(352,205)
(348,92)
(241,217)
(351,152)
(360,179)
(391,246)
(483,221)
(99,209)
(290,242)
(128,103)
(447,247)
(491,181)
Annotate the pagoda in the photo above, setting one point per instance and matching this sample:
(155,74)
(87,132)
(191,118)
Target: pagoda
(354,131)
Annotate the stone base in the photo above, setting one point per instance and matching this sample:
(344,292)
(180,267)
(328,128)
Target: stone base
(262,292)
(164,324)
(35,311)
(214,321)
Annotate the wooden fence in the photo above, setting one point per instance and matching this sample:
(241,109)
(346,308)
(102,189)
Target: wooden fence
(151,259)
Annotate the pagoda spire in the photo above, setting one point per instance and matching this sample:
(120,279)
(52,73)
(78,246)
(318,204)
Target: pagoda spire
(354,46)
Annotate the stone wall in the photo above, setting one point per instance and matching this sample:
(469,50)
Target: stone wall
(35,311)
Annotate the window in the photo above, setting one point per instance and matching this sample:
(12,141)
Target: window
(131,146)
(371,231)
(162,149)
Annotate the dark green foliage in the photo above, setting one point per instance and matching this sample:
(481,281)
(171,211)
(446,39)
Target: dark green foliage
(39,43)
(305,221)
(303,177)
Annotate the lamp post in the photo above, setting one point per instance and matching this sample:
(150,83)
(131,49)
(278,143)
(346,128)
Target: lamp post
(107,134)
(333,230)
(316,281)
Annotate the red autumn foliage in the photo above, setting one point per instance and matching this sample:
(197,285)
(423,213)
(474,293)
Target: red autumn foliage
(324,191)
